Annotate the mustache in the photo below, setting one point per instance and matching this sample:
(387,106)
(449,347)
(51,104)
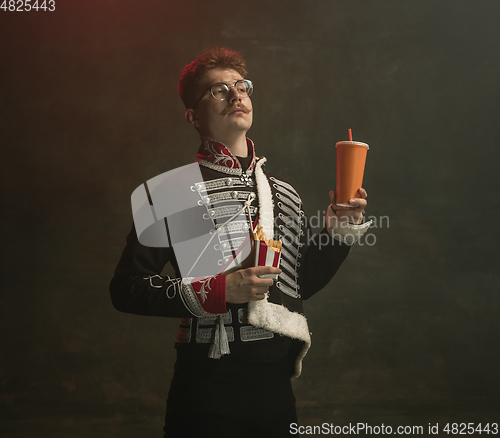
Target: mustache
(231,108)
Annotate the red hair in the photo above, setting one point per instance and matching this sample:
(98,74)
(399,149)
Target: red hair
(212,57)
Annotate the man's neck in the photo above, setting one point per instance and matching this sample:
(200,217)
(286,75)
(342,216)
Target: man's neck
(237,145)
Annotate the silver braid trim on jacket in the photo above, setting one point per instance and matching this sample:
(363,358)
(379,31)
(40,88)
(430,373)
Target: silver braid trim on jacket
(263,314)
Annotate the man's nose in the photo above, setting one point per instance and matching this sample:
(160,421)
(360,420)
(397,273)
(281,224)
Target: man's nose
(233,95)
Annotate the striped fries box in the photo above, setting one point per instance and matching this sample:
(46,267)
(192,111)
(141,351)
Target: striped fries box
(265,256)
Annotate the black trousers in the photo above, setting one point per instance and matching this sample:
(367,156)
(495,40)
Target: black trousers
(229,397)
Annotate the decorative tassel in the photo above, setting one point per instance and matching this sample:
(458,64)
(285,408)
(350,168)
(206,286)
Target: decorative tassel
(220,345)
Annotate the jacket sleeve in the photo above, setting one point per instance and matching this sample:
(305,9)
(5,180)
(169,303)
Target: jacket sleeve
(138,286)
(322,256)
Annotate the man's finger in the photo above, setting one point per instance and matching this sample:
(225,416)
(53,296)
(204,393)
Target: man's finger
(357,202)
(363,193)
(263,283)
(262,270)
(332,197)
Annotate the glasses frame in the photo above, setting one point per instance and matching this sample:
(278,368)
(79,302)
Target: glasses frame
(228,87)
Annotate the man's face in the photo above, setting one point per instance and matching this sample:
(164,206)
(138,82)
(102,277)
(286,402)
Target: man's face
(221,120)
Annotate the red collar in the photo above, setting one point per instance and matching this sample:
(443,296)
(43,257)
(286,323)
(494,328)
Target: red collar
(216,156)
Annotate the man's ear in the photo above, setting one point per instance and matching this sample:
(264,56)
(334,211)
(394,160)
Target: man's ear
(190,116)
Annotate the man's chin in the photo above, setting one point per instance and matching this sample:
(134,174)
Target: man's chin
(240,121)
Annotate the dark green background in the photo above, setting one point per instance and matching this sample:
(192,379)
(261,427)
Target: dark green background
(408,331)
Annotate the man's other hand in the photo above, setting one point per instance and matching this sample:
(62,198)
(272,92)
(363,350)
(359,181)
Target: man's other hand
(245,285)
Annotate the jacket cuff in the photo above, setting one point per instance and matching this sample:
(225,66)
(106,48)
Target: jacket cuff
(350,233)
(343,231)
(211,293)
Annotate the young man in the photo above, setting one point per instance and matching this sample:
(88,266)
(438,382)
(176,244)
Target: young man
(241,337)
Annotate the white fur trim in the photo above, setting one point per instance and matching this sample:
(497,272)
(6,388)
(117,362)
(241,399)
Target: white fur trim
(266,206)
(266,315)
(279,319)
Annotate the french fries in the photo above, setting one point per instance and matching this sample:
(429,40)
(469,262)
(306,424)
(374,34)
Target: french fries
(259,234)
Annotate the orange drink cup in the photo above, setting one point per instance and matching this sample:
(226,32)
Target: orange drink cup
(351,158)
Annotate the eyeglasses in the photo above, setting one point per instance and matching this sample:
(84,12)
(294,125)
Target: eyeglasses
(220,91)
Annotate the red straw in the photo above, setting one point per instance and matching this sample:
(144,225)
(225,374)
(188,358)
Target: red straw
(350,134)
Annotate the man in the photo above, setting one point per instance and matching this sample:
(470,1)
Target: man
(241,337)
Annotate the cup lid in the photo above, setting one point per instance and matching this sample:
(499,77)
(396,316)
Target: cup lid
(357,143)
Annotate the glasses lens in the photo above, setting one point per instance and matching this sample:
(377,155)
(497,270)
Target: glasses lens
(244,87)
(219,91)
